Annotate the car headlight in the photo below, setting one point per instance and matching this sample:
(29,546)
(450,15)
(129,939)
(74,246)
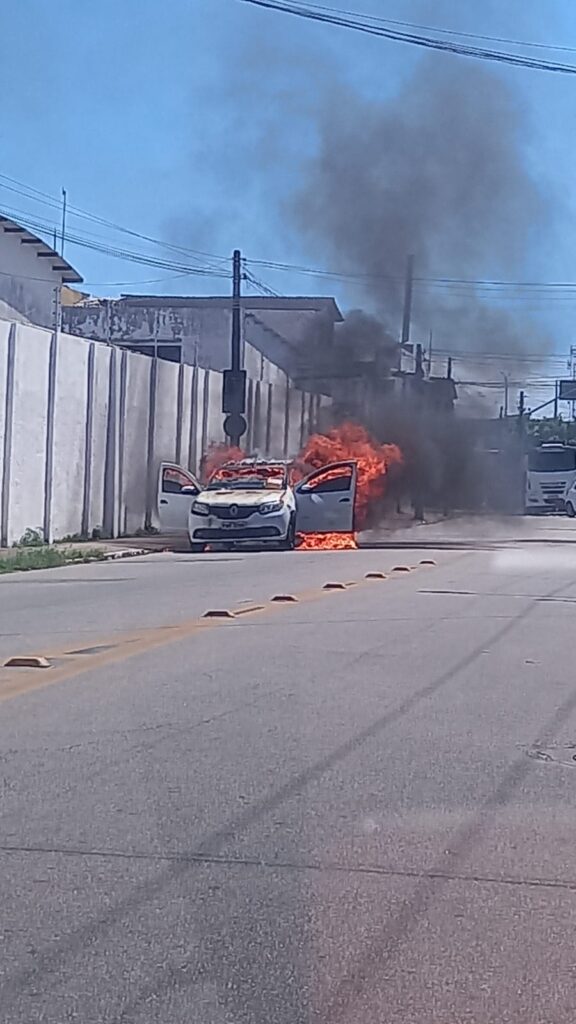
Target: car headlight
(200,508)
(270,506)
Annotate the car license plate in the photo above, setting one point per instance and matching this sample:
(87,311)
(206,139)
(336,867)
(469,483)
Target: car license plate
(230,526)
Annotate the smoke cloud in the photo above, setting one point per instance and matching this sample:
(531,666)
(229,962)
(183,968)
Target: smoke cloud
(439,171)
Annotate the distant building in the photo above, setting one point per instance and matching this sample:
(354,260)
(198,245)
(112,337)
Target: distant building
(197,330)
(30,274)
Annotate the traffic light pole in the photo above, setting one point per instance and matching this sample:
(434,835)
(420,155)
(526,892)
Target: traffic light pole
(236,333)
(234,392)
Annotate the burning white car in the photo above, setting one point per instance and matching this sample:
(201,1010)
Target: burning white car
(253,501)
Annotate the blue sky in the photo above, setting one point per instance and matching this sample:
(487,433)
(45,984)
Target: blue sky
(192,121)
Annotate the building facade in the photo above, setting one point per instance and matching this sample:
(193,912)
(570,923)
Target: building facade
(196,330)
(31,276)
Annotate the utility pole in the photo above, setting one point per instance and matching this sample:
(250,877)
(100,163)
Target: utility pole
(406,316)
(236,285)
(57,312)
(63,229)
(556,390)
(418,492)
(234,390)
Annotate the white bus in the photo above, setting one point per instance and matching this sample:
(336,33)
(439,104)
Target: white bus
(550,473)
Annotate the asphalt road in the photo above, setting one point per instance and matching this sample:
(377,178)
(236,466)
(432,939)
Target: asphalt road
(352,809)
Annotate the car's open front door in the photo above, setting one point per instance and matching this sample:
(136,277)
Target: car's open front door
(325,499)
(177,489)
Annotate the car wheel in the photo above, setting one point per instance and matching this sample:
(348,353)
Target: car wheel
(290,543)
(570,510)
(196,548)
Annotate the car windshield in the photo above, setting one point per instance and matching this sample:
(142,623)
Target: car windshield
(561,460)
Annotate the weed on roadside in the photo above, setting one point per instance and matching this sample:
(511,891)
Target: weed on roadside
(26,558)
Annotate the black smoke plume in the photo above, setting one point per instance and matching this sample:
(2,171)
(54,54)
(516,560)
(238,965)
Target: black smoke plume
(437,170)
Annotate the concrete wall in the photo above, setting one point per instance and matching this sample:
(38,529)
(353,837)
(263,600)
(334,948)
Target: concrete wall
(84,428)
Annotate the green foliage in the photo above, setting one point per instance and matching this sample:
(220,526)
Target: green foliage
(31,538)
(550,430)
(26,557)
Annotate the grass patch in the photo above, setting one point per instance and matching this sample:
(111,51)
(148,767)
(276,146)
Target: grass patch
(22,559)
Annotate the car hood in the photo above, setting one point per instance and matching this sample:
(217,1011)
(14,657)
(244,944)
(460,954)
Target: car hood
(239,497)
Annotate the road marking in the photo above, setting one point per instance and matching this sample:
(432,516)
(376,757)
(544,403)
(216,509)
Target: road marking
(71,663)
(27,661)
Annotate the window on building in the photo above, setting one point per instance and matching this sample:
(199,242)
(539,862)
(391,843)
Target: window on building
(166,350)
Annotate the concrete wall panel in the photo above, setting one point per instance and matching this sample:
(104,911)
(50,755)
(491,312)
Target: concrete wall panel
(187,376)
(4,335)
(215,417)
(102,355)
(277,421)
(295,427)
(29,431)
(69,436)
(136,443)
(166,410)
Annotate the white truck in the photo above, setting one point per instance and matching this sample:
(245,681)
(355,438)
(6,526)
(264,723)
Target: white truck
(550,473)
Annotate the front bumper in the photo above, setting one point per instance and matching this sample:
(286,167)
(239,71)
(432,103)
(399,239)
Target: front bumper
(273,527)
(551,503)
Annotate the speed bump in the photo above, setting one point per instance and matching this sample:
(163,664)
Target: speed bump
(428,561)
(284,598)
(401,568)
(375,576)
(334,586)
(27,661)
(218,613)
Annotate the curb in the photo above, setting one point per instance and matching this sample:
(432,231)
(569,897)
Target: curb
(111,556)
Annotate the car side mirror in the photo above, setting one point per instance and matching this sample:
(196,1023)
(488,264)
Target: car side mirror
(190,489)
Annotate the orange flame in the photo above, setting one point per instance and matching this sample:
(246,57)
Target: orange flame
(326,542)
(351,441)
(216,456)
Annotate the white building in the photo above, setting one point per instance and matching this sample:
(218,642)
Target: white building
(31,272)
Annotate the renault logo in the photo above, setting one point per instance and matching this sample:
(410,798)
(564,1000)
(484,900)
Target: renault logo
(234,510)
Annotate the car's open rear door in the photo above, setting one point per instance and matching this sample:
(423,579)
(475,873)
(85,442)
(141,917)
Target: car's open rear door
(325,499)
(177,488)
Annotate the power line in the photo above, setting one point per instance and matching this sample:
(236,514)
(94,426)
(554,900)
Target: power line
(260,286)
(118,253)
(359,23)
(456,284)
(472,284)
(97,284)
(459,287)
(448,31)
(36,195)
(527,356)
